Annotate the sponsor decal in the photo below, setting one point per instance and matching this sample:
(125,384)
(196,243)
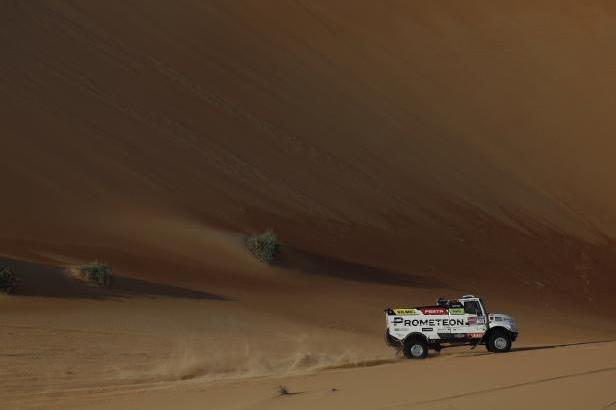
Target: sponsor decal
(474,335)
(399,321)
(433,311)
(456,311)
(406,312)
(474,320)
(427,329)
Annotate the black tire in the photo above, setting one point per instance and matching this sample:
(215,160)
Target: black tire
(415,348)
(486,340)
(499,341)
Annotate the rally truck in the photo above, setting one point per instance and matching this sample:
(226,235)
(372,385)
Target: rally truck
(456,322)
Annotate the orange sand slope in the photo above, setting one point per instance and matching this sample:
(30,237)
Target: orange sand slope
(479,131)
(401,150)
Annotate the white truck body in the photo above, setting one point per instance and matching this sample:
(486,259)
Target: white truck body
(450,322)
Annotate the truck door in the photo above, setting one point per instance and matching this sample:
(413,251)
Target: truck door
(475,320)
(457,321)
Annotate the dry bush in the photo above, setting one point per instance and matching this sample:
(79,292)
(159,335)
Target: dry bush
(264,246)
(8,279)
(97,272)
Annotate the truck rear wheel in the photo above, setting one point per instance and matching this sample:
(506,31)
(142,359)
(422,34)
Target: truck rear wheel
(499,341)
(415,348)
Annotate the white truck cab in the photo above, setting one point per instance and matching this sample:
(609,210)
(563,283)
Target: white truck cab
(462,321)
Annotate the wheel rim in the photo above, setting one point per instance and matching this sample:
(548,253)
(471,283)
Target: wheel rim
(417,350)
(500,343)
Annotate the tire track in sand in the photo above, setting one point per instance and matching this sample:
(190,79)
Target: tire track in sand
(495,389)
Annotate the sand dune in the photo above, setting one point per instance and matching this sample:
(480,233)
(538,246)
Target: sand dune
(401,150)
(480,130)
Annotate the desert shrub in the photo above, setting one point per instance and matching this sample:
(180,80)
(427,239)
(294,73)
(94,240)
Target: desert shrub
(264,246)
(97,272)
(7,279)
(283,391)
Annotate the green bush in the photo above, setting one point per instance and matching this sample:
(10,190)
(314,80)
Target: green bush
(264,247)
(7,279)
(98,273)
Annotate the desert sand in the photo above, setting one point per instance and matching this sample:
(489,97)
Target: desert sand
(401,150)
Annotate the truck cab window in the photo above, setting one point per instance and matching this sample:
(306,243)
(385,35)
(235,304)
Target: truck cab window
(472,308)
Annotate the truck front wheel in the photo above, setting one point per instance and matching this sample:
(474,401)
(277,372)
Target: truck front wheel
(415,348)
(499,341)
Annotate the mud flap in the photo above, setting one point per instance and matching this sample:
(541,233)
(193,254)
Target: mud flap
(479,341)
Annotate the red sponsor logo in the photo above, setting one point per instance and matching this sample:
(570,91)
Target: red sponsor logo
(434,311)
(474,335)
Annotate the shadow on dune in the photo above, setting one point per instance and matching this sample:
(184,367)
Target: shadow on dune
(527,348)
(313,264)
(53,282)
(539,347)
